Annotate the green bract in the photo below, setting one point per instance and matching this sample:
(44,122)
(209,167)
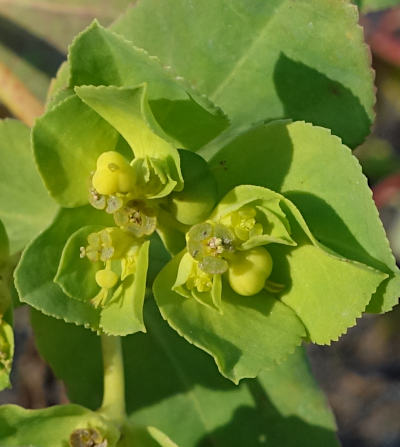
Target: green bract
(256,262)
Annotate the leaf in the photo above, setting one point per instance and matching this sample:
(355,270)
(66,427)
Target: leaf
(170,231)
(326,186)
(25,210)
(127,110)
(124,315)
(195,203)
(58,85)
(265,60)
(176,388)
(67,140)
(248,335)
(50,427)
(326,292)
(100,57)
(81,369)
(38,267)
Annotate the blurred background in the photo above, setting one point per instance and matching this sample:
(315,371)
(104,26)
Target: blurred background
(360,374)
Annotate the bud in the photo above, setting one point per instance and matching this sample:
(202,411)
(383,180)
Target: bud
(195,202)
(244,223)
(199,280)
(106,279)
(113,174)
(249,270)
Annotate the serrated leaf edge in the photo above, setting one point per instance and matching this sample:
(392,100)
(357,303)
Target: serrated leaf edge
(187,86)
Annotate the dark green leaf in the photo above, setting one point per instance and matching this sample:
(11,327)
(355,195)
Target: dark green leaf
(175,387)
(25,206)
(264,60)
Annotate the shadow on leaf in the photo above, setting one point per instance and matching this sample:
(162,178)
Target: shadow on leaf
(311,96)
(264,425)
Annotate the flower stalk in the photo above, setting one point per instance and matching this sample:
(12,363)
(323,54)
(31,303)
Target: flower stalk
(113,405)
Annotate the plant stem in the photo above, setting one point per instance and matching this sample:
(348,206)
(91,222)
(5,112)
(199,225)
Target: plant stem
(113,405)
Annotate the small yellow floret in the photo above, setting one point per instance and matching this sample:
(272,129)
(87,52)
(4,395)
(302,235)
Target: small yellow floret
(248,271)
(199,280)
(106,279)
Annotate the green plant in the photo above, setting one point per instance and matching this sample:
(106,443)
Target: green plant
(212,174)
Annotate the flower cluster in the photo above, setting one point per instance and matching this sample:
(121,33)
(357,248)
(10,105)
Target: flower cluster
(242,234)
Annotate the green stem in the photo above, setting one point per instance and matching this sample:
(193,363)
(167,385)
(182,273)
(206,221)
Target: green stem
(113,405)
